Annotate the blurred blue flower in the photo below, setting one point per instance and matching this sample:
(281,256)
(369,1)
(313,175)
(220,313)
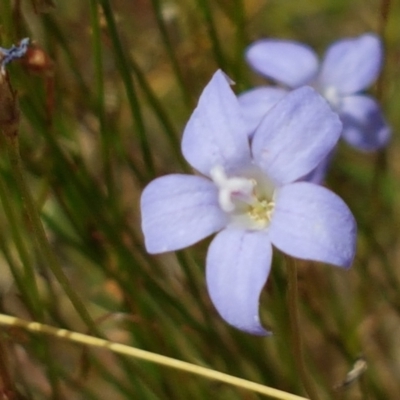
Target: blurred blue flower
(8,55)
(350,66)
(249,194)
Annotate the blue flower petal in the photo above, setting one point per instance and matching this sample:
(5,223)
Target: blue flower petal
(290,63)
(215,133)
(295,136)
(312,223)
(179,210)
(351,65)
(364,126)
(256,102)
(238,265)
(318,174)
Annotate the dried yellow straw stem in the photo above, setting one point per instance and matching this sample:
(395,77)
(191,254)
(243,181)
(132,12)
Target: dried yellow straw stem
(147,356)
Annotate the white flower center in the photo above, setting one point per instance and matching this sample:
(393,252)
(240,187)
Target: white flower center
(332,96)
(247,199)
(330,93)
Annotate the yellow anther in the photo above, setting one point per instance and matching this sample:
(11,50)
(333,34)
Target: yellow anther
(261,212)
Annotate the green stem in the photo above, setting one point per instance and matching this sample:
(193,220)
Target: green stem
(240,22)
(28,278)
(295,330)
(9,121)
(172,135)
(106,138)
(157,7)
(382,23)
(381,159)
(125,72)
(6,22)
(212,32)
(39,233)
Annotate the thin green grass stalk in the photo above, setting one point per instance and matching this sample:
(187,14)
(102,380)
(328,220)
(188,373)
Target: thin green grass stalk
(125,256)
(86,187)
(49,366)
(61,41)
(40,235)
(9,124)
(192,281)
(42,346)
(281,325)
(381,162)
(8,121)
(57,34)
(129,351)
(9,388)
(30,297)
(376,248)
(106,139)
(74,220)
(81,244)
(157,7)
(43,244)
(52,301)
(384,13)
(212,32)
(191,269)
(15,272)
(28,280)
(121,386)
(218,349)
(241,41)
(79,388)
(12,148)
(342,346)
(160,113)
(227,8)
(139,175)
(114,237)
(295,330)
(124,70)
(109,377)
(6,22)
(139,379)
(92,199)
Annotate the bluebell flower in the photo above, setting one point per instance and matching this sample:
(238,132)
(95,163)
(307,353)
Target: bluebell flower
(349,67)
(247,192)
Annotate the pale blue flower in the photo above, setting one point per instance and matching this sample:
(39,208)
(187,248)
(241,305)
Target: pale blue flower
(349,66)
(248,193)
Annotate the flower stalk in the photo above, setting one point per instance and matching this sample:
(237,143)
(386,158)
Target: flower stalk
(297,344)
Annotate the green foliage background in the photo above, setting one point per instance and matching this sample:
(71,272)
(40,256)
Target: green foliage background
(102,111)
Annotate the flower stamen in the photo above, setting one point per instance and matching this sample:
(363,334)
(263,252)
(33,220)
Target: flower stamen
(261,212)
(247,199)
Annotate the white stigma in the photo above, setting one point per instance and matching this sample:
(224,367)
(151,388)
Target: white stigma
(247,199)
(231,188)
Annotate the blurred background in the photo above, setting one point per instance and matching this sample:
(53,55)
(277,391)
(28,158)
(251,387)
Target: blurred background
(104,91)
